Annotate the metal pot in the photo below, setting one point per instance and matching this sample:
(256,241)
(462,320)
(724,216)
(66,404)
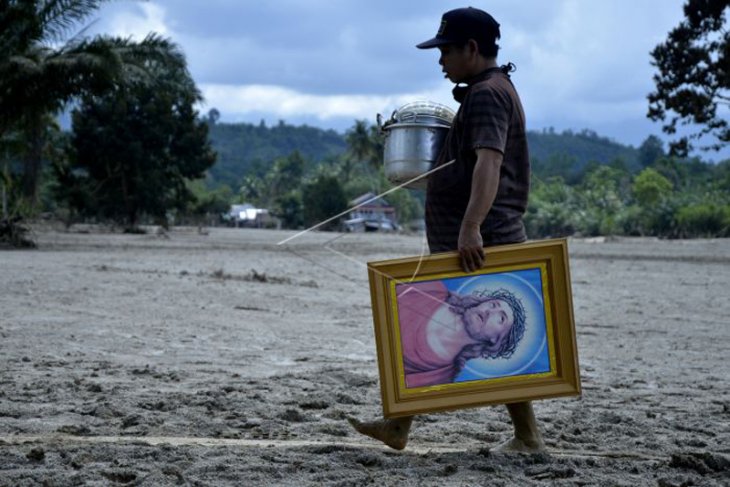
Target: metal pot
(414,136)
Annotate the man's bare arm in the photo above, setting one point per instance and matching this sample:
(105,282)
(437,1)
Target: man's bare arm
(484,186)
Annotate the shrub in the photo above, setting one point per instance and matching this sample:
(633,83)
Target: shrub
(549,219)
(704,220)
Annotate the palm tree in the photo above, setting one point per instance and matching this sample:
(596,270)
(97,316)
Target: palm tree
(365,148)
(41,69)
(358,140)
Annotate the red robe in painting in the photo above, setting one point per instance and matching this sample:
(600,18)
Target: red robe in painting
(423,366)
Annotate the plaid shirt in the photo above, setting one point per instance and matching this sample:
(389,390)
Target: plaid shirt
(491,117)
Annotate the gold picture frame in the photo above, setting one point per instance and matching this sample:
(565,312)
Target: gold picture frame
(448,340)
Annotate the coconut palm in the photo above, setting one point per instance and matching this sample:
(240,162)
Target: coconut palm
(42,68)
(358,140)
(364,152)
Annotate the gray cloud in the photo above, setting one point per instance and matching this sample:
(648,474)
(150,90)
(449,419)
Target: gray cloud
(580,64)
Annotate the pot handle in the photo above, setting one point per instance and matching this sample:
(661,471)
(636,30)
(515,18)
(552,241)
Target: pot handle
(383,126)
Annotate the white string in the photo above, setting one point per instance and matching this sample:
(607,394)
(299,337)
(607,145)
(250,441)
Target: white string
(426,174)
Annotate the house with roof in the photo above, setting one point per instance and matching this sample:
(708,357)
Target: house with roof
(371,214)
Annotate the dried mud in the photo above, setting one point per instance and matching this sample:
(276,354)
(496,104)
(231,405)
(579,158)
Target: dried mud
(226,359)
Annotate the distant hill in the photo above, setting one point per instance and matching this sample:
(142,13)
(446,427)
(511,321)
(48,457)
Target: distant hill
(244,147)
(568,153)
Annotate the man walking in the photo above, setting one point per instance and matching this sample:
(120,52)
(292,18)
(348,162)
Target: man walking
(478,200)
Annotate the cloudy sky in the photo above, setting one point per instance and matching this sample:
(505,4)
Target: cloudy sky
(580,63)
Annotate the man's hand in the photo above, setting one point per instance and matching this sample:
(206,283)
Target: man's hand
(471,247)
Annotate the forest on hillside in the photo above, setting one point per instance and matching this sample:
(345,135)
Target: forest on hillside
(582,183)
(244,148)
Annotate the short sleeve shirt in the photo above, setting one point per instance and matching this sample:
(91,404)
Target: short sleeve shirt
(491,117)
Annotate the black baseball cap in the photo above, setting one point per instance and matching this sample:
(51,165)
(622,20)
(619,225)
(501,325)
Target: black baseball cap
(460,25)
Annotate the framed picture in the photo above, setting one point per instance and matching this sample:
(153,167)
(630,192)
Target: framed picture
(448,340)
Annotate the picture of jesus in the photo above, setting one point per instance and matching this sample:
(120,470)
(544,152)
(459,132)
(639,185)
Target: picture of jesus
(441,330)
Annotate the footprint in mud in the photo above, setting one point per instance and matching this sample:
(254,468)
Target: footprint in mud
(120,476)
(294,416)
(314,404)
(74,429)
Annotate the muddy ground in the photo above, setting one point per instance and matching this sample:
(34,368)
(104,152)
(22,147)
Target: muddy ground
(224,359)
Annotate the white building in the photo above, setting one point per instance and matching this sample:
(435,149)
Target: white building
(246,215)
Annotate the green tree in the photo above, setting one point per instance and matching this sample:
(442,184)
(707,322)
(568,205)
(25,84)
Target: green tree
(551,211)
(280,189)
(704,220)
(693,78)
(654,210)
(650,188)
(358,141)
(253,190)
(650,151)
(377,147)
(207,204)
(364,144)
(11,150)
(721,177)
(213,116)
(322,199)
(139,145)
(364,155)
(600,201)
(674,170)
(286,174)
(407,206)
(40,73)
(288,208)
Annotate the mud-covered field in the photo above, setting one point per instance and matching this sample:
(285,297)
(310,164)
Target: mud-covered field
(224,359)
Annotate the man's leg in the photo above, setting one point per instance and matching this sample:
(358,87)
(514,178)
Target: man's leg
(392,432)
(527,435)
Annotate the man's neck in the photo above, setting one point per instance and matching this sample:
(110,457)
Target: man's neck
(481,65)
(485,63)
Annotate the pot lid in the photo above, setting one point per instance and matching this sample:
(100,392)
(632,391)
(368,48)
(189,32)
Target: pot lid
(424,109)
